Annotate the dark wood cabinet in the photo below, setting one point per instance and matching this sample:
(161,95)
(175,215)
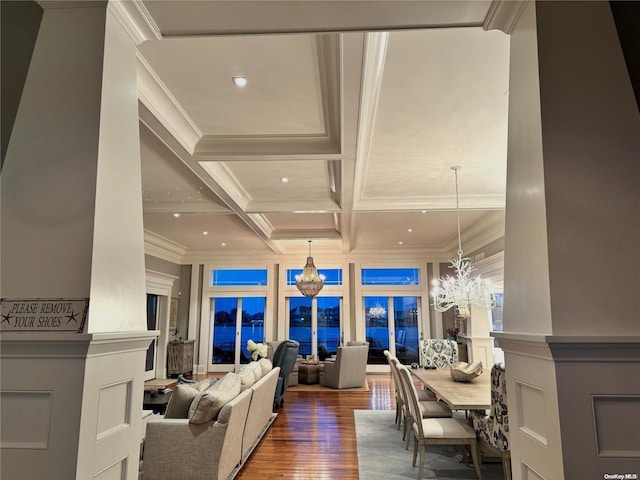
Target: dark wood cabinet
(180,357)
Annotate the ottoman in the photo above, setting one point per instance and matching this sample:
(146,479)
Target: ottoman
(309,373)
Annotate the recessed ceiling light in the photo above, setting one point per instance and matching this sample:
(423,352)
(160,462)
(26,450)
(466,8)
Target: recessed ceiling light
(400,243)
(177,215)
(409,230)
(223,244)
(205,233)
(239,81)
(424,211)
(284,179)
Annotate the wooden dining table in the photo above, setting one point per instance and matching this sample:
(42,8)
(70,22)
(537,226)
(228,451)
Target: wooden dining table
(472,395)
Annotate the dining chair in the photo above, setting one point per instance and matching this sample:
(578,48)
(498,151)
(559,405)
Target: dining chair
(443,431)
(438,352)
(424,395)
(493,429)
(426,408)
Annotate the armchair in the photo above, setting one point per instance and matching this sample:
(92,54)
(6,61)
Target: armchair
(348,370)
(284,357)
(293,376)
(438,352)
(493,429)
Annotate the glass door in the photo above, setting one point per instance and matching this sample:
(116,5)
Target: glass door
(315,324)
(392,324)
(235,321)
(152,324)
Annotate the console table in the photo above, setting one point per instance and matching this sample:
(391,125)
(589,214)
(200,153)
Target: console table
(180,357)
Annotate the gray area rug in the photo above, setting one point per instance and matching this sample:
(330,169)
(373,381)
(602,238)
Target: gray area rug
(381,453)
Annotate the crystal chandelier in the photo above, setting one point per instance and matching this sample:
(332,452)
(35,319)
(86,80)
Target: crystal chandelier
(309,283)
(464,290)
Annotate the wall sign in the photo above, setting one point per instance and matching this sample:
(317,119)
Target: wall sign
(43,315)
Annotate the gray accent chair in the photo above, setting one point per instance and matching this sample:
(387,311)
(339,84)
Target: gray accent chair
(348,370)
(284,357)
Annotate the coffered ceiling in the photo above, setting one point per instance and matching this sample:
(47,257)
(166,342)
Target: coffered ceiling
(362,118)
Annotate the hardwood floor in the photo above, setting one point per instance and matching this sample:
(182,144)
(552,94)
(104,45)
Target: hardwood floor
(314,435)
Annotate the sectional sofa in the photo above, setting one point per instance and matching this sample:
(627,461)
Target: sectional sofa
(221,424)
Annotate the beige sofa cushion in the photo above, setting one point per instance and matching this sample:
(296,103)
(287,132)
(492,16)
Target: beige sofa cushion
(257,370)
(206,405)
(265,365)
(182,398)
(247,377)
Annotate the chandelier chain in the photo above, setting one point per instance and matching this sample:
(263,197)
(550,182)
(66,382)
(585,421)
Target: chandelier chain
(455,171)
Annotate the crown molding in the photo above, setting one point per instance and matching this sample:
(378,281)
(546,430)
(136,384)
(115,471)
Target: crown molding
(184,207)
(481,233)
(375,51)
(503,15)
(163,248)
(440,203)
(155,95)
(329,63)
(313,234)
(299,206)
(136,20)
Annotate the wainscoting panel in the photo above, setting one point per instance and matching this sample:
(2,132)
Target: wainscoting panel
(529,474)
(26,419)
(114,408)
(615,437)
(531,418)
(117,471)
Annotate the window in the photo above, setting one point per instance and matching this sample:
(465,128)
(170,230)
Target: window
(239,278)
(332,276)
(315,324)
(236,318)
(390,276)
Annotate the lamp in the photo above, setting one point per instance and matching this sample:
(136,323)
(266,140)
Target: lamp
(309,283)
(464,290)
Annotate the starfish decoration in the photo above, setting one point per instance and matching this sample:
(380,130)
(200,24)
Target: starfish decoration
(6,318)
(72,317)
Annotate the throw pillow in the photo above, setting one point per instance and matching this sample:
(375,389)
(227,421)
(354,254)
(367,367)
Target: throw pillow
(247,378)
(265,365)
(206,405)
(182,398)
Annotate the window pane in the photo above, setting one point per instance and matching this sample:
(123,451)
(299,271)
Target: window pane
(328,326)
(224,330)
(405,314)
(227,278)
(332,276)
(377,328)
(390,276)
(496,313)
(252,324)
(300,323)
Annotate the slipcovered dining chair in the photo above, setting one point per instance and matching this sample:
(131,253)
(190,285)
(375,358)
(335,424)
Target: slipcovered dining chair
(430,408)
(348,370)
(438,352)
(424,395)
(493,429)
(444,431)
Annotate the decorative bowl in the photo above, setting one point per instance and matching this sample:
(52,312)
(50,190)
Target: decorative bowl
(465,372)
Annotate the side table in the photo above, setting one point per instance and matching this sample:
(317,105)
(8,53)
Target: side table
(157,402)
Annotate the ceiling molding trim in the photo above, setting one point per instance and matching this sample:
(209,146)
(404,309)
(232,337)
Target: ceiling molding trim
(439,203)
(375,51)
(259,157)
(329,62)
(155,95)
(184,207)
(164,135)
(161,247)
(311,234)
(264,223)
(334,175)
(504,15)
(223,176)
(481,233)
(215,146)
(136,20)
(288,206)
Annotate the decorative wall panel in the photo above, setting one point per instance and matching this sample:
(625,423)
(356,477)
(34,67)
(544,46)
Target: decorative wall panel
(531,411)
(26,419)
(615,435)
(529,474)
(117,471)
(114,412)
